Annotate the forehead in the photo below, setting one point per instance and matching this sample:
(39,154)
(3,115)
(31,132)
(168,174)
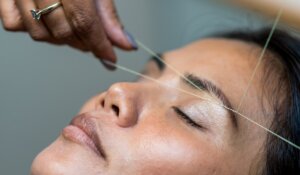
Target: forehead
(231,56)
(227,63)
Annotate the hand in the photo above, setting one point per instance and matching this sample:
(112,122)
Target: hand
(89,25)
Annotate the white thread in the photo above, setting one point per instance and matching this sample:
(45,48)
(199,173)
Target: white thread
(247,89)
(140,44)
(260,59)
(208,100)
(164,62)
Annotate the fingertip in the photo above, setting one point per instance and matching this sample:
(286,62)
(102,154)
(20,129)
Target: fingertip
(131,40)
(113,26)
(107,57)
(121,38)
(108,64)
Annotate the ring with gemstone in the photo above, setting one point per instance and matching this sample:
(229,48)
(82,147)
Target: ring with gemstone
(36,13)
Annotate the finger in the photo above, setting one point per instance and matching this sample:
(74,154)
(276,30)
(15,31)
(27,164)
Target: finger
(76,45)
(82,15)
(56,23)
(36,29)
(10,15)
(113,27)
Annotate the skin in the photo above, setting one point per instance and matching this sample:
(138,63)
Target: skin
(148,137)
(95,30)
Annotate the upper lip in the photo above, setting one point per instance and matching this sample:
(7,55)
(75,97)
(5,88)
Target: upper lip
(87,125)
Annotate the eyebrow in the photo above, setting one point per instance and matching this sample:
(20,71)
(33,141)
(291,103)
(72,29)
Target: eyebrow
(161,66)
(209,87)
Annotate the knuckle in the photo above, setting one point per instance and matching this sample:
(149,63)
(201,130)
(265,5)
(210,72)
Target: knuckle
(10,24)
(39,35)
(64,34)
(82,23)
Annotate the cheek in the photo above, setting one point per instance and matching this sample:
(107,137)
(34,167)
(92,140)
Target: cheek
(63,157)
(173,151)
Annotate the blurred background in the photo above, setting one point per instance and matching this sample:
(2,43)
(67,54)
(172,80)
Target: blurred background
(43,86)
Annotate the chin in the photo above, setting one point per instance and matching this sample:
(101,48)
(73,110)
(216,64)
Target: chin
(47,162)
(67,158)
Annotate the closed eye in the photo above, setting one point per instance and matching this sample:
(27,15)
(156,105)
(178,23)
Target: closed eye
(186,118)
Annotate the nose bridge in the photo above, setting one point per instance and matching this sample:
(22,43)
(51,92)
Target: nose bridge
(123,91)
(122,100)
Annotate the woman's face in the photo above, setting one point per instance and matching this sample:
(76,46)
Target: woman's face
(147,128)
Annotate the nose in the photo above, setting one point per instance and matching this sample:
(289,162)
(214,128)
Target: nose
(121,100)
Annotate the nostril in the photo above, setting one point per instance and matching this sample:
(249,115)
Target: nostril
(115,109)
(102,103)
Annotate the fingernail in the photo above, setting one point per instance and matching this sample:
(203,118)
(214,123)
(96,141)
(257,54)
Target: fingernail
(108,64)
(131,40)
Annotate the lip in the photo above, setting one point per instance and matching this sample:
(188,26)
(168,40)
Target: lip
(82,130)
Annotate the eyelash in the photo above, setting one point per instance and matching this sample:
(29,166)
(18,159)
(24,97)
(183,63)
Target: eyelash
(186,118)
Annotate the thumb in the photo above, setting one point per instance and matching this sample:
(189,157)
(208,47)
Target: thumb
(113,26)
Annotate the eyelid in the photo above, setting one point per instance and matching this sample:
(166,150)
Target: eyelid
(187,119)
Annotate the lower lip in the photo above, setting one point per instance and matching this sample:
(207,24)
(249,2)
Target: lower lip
(77,135)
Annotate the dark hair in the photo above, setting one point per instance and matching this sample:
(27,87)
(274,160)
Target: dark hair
(281,157)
